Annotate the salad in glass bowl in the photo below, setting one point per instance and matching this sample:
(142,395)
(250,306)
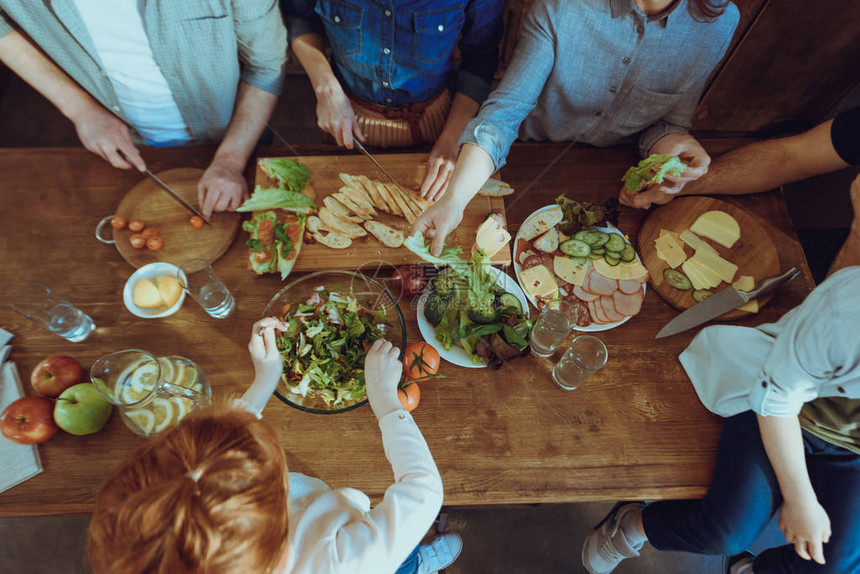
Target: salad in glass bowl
(333,317)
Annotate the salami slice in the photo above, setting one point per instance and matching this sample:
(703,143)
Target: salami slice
(600,285)
(608,305)
(628,305)
(629,286)
(583,294)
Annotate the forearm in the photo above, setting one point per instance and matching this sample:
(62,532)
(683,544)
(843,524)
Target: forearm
(251,113)
(473,168)
(24,58)
(849,254)
(463,109)
(308,48)
(257,396)
(783,443)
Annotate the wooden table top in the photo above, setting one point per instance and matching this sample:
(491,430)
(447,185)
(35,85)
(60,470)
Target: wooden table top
(634,430)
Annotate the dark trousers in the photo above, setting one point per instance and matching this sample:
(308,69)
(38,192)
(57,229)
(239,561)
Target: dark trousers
(744,496)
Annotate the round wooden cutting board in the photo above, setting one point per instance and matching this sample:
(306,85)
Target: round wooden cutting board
(147,201)
(754,253)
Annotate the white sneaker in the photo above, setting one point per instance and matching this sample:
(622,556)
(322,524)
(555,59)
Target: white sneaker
(439,553)
(606,546)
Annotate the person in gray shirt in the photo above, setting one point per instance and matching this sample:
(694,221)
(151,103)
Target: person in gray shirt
(596,72)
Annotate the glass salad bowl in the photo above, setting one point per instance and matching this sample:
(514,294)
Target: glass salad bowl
(334,316)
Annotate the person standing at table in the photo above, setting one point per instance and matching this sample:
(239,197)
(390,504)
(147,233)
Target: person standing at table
(159,73)
(596,72)
(212,494)
(790,443)
(391,76)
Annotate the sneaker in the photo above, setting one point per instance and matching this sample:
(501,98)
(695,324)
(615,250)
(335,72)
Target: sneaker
(732,564)
(606,546)
(439,553)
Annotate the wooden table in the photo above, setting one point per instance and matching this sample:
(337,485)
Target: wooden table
(635,430)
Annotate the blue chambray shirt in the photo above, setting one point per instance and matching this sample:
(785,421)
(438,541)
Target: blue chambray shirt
(597,71)
(399,53)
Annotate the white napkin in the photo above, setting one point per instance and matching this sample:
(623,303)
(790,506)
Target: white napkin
(18,462)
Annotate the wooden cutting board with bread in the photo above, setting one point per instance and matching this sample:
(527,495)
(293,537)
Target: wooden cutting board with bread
(363,217)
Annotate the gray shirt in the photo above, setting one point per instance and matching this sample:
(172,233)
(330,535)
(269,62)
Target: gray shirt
(596,71)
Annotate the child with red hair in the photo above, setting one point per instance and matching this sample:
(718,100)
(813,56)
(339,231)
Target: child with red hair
(213,494)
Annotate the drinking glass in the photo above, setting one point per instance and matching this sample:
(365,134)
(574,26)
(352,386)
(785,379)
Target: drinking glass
(554,323)
(150,393)
(585,356)
(204,286)
(36,302)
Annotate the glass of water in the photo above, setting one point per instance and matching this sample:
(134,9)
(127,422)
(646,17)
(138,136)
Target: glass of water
(585,356)
(204,286)
(556,320)
(36,302)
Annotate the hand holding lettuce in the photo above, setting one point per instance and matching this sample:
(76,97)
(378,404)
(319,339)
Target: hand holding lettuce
(653,169)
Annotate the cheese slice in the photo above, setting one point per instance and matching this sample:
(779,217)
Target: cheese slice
(145,294)
(747,283)
(718,226)
(491,237)
(708,276)
(569,270)
(539,282)
(696,242)
(697,277)
(724,269)
(670,249)
(623,271)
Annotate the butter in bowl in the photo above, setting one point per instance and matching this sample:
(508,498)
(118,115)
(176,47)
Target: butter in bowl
(154,291)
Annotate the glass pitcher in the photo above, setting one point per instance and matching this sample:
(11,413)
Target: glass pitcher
(151,393)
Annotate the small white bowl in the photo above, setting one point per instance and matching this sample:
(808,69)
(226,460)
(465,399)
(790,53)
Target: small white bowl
(150,272)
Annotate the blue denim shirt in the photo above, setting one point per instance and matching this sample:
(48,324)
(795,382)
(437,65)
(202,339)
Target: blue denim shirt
(597,71)
(399,53)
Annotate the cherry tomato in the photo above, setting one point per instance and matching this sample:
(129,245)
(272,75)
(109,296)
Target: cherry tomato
(118,222)
(266,236)
(266,225)
(197,222)
(154,243)
(408,280)
(409,396)
(149,232)
(420,361)
(262,256)
(137,241)
(136,225)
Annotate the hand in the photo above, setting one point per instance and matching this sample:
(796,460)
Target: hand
(440,166)
(108,137)
(691,153)
(336,116)
(222,188)
(267,360)
(806,525)
(382,371)
(438,221)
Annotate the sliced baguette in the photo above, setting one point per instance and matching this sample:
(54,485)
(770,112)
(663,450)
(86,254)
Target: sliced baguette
(360,196)
(314,224)
(333,239)
(362,211)
(334,223)
(411,205)
(540,223)
(348,180)
(386,235)
(495,188)
(402,205)
(548,242)
(369,187)
(391,205)
(340,210)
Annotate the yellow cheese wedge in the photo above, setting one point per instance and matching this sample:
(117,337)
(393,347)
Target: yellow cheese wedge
(696,242)
(145,294)
(491,238)
(724,269)
(539,282)
(670,249)
(569,270)
(696,276)
(708,274)
(622,271)
(718,226)
(747,283)
(169,289)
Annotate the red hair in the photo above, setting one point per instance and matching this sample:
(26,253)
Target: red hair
(207,495)
(707,10)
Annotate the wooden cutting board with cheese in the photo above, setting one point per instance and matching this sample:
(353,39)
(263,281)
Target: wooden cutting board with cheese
(331,174)
(710,242)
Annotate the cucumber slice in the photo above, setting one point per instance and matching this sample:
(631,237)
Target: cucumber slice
(629,254)
(677,279)
(580,260)
(510,301)
(594,255)
(582,234)
(613,261)
(616,243)
(598,250)
(602,238)
(700,295)
(575,248)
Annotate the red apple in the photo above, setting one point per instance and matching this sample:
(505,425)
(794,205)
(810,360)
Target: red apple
(29,420)
(56,374)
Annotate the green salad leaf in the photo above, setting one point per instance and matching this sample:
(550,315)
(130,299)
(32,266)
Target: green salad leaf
(450,253)
(275,197)
(289,173)
(648,172)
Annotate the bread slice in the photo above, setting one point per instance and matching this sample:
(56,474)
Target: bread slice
(334,223)
(375,197)
(348,180)
(402,205)
(340,210)
(314,224)
(540,223)
(411,207)
(360,197)
(388,236)
(495,188)
(391,205)
(333,239)
(548,242)
(362,211)
(364,183)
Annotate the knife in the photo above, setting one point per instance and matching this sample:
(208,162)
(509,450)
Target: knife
(722,302)
(175,196)
(377,164)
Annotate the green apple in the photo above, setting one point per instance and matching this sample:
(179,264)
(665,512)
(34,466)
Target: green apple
(81,410)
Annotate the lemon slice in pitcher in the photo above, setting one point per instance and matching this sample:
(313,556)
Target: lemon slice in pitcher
(143,418)
(186,376)
(181,405)
(140,383)
(163,411)
(168,372)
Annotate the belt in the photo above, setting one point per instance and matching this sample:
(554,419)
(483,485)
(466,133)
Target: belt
(411,114)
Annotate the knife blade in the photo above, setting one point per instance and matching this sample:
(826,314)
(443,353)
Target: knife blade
(363,150)
(176,196)
(722,302)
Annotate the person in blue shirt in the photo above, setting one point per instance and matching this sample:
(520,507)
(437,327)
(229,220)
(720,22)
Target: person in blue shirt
(390,79)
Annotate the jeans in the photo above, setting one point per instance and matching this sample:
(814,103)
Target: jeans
(744,495)
(410,565)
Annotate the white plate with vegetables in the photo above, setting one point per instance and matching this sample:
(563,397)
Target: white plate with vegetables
(596,269)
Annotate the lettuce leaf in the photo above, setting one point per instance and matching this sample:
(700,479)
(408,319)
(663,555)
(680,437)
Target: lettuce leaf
(285,246)
(450,253)
(276,197)
(288,172)
(647,171)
